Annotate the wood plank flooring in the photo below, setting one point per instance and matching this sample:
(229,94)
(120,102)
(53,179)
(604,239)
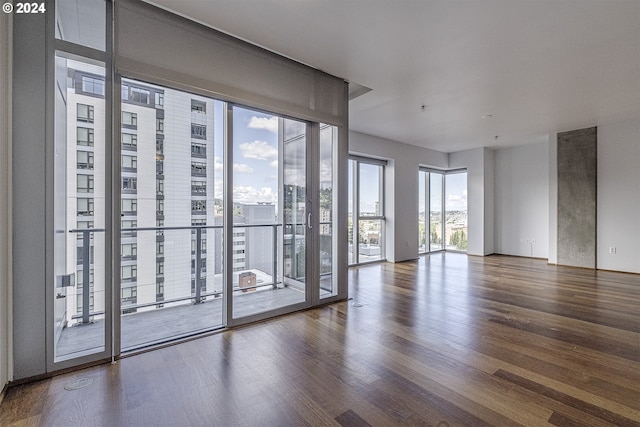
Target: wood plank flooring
(446,340)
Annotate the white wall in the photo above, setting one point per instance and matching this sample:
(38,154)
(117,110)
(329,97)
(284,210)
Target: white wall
(401,182)
(489,197)
(619,196)
(480,181)
(5,196)
(522,200)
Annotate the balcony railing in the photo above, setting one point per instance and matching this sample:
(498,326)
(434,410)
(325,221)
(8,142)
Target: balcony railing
(198,295)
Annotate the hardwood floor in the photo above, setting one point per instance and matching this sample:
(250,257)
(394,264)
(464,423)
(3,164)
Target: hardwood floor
(446,340)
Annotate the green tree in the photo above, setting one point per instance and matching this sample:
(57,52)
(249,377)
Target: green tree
(434,234)
(459,239)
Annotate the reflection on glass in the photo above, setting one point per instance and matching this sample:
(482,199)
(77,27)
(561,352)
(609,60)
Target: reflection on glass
(456,231)
(79,205)
(269,241)
(435,212)
(294,203)
(82,22)
(328,143)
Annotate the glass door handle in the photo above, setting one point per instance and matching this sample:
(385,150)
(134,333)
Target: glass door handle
(309,221)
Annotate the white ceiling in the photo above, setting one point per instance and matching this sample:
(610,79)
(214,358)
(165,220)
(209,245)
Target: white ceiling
(536,66)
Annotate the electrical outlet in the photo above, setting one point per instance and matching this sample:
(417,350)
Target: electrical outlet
(612,249)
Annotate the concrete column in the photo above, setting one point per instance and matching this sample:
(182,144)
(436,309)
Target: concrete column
(577,197)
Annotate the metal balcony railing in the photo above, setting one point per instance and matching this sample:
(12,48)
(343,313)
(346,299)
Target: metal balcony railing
(198,295)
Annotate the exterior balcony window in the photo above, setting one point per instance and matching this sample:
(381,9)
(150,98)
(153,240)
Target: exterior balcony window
(198,131)
(198,169)
(129,141)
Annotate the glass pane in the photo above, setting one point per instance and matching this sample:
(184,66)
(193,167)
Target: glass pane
(352,212)
(269,231)
(370,240)
(294,203)
(82,22)
(79,204)
(435,212)
(328,143)
(422,210)
(456,211)
(172,286)
(370,194)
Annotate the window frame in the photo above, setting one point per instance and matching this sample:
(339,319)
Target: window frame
(90,113)
(90,136)
(356,216)
(89,185)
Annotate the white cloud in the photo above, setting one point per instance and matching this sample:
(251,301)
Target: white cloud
(260,150)
(326,172)
(248,194)
(270,124)
(218,189)
(274,164)
(456,202)
(242,168)
(217,165)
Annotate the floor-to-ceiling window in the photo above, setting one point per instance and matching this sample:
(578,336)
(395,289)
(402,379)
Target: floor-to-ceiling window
(80,207)
(80,184)
(328,210)
(442,210)
(174,276)
(423,211)
(171,212)
(436,213)
(366,210)
(455,206)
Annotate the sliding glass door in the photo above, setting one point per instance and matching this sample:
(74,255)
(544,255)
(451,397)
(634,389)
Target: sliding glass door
(171,263)
(181,269)
(170,212)
(327,212)
(270,220)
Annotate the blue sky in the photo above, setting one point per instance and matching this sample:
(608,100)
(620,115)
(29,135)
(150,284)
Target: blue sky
(255,155)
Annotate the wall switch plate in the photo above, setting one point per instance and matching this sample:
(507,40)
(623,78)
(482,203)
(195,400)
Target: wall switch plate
(612,249)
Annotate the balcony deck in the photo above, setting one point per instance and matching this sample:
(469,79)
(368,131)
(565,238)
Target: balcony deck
(153,326)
